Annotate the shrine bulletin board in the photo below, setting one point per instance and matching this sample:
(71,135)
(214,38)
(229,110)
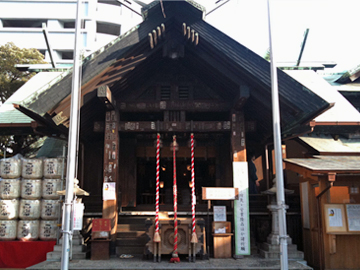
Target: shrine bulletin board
(353,217)
(342,218)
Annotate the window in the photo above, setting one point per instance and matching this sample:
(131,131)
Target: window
(108,28)
(183,92)
(23,23)
(165,92)
(66,55)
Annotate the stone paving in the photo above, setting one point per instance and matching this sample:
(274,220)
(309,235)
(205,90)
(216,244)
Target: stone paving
(136,263)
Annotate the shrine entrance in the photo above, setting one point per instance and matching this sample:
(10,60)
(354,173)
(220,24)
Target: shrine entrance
(137,169)
(146,171)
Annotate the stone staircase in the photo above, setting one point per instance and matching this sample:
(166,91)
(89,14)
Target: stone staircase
(78,250)
(131,237)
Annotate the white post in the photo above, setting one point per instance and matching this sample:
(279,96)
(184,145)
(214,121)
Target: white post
(72,150)
(280,195)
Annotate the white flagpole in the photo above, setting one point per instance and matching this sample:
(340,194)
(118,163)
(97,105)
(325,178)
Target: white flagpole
(72,150)
(280,194)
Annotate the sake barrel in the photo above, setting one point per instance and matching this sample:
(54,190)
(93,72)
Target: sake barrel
(31,189)
(48,230)
(50,209)
(10,167)
(28,230)
(50,188)
(32,168)
(10,188)
(8,229)
(53,167)
(29,209)
(9,209)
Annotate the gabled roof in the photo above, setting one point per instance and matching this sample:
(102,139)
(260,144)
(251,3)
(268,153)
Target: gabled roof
(343,112)
(11,118)
(325,144)
(219,60)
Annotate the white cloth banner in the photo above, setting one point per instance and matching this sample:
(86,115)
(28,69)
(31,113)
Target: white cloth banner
(78,216)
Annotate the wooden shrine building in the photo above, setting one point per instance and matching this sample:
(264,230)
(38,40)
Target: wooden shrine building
(173,74)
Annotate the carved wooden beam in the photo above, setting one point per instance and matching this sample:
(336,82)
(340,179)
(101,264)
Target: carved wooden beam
(167,126)
(105,95)
(186,105)
(201,126)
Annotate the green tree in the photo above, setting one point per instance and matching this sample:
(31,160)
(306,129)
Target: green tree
(11,78)
(267,55)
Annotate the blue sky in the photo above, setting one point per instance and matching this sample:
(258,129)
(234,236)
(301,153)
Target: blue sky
(333,34)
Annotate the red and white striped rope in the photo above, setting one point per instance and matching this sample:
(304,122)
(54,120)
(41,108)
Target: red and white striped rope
(157,183)
(175,199)
(193,201)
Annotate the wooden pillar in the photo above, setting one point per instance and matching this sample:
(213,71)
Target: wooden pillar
(111,165)
(240,180)
(324,240)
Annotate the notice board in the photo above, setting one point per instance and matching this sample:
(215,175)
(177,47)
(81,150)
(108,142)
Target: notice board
(342,218)
(353,217)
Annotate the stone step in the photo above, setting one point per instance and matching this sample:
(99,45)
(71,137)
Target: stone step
(138,241)
(137,263)
(75,249)
(131,220)
(56,256)
(276,248)
(130,250)
(130,234)
(276,255)
(130,227)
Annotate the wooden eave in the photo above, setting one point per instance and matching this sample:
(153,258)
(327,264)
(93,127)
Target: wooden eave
(47,126)
(312,172)
(118,70)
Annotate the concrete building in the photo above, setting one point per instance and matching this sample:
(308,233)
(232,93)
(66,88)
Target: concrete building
(21,22)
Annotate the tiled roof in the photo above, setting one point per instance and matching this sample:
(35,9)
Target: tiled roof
(298,103)
(325,143)
(342,112)
(8,114)
(328,163)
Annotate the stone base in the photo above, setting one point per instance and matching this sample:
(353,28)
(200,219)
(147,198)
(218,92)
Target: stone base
(273,239)
(276,248)
(293,255)
(271,251)
(78,253)
(237,257)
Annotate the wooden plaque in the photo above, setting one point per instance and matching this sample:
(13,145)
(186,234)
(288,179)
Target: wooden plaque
(101,225)
(220,193)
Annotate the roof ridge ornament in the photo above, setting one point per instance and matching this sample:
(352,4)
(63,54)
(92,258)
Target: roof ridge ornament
(190,34)
(156,34)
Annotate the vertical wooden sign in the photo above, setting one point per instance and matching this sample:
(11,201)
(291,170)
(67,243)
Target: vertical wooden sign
(111,162)
(240,181)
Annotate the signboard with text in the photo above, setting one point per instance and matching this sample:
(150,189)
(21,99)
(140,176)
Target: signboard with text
(219,193)
(241,209)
